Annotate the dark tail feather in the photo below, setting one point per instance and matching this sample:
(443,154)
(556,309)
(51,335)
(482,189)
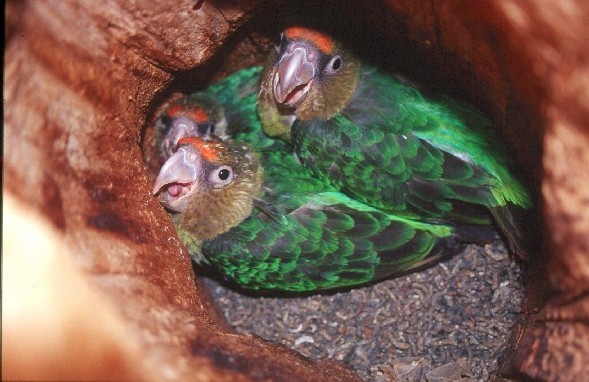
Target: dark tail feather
(447,247)
(395,262)
(475,233)
(519,227)
(392,261)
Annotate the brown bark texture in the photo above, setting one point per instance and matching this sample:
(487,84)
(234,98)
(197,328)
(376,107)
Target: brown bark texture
(100,287)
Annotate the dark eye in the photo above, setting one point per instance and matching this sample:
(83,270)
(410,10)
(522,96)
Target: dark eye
(334,65)
(222,176)
(164,122)
(206,128)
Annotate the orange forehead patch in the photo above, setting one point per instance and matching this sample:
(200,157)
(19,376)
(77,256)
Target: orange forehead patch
(198,115)
(174,110)
(321,41)
(209,150)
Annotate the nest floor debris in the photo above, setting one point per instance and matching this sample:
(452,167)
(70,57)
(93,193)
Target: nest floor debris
(449,321)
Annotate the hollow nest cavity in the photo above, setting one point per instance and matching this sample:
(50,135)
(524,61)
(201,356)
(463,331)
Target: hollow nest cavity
(82,86)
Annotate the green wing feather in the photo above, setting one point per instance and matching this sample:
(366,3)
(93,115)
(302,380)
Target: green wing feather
(422,158)
(325,242)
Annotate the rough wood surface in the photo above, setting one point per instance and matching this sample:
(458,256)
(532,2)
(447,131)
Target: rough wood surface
(548,61)
(81,78)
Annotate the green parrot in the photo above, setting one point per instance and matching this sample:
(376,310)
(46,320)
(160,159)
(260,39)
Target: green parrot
(248,208)
(384,143)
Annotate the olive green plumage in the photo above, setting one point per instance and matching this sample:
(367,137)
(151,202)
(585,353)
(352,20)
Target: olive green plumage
(296,232)
(389,146)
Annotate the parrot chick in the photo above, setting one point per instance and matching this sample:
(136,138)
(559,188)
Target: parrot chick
(266,223)
(381,141)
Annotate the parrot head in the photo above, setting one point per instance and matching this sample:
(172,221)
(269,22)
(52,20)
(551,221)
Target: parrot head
(190,116)
(308,75)
(210,184)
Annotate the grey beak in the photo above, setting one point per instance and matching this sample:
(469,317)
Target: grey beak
(295,68)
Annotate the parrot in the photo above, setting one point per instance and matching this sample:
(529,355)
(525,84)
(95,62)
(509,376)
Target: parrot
(382,141)
(243,204)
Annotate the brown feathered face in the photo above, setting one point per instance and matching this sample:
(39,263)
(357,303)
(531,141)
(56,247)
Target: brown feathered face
(312,75)
(210,184)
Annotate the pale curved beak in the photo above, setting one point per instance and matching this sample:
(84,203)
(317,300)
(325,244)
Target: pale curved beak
(295,71)
(176,179)
(177,169)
